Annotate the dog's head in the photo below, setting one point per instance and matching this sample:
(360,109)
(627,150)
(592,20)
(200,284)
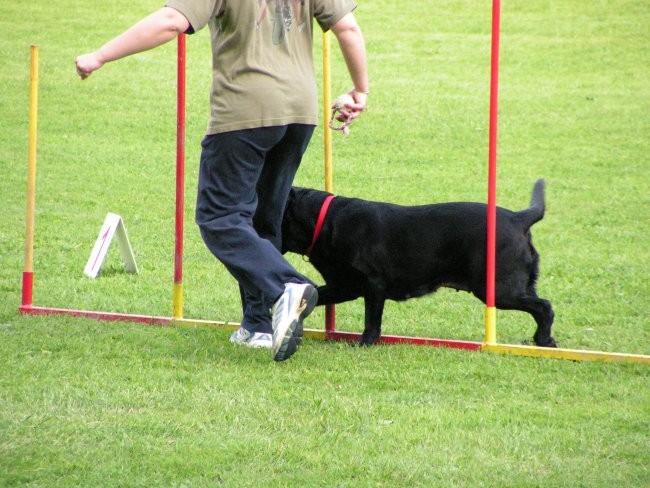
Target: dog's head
(300,216)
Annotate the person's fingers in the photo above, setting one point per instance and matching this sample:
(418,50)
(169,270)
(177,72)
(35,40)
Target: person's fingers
(82,74)
(356,104)
(353,109)
(86,64)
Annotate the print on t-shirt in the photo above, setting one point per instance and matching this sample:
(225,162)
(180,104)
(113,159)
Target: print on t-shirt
(282,14)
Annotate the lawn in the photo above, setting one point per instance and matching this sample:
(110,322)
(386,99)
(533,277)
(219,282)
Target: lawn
(87,403)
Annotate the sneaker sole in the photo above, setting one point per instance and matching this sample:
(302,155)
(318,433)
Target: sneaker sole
(293,335)
(253,345)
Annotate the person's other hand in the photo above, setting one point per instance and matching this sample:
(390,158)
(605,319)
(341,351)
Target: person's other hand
(87,63)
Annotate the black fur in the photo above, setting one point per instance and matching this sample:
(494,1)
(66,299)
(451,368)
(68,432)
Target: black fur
(382,251)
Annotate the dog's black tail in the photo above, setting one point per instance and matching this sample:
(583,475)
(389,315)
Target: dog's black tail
(535,212)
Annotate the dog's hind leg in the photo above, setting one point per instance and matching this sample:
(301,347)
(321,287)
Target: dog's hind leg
(544,318)
(540,309)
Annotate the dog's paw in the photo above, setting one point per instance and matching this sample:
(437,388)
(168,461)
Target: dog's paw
(549,342)
(368,340)
(546,342)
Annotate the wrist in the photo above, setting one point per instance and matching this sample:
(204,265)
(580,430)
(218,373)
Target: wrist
(101,56)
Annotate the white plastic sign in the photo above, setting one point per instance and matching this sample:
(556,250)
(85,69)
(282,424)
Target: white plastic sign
(113,226)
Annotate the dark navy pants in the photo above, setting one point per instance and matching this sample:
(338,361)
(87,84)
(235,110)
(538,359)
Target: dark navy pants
(244,182)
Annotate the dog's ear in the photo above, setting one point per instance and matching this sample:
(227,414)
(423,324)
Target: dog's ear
(297,225)
(287,222)
(291,197)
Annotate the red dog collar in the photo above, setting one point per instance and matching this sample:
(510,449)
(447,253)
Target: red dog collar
(319,223)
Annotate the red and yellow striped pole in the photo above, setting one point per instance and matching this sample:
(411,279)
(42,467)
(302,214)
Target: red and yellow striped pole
(327,107)
(177,305)
(330,312)
(490,302)
(28,273)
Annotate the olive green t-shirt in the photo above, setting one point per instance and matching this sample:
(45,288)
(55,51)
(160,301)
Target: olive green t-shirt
(262,62)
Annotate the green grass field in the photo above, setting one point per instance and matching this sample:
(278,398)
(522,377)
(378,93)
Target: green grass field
(87,403)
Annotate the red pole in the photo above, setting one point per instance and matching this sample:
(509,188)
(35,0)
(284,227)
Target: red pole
(180,179)
(490,302)
(330,321)
(492,168)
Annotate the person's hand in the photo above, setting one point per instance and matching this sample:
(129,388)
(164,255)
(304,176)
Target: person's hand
(87,63)
(350,105)
(346,108)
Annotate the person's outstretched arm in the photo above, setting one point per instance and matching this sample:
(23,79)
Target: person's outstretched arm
(350,39)
(158,28)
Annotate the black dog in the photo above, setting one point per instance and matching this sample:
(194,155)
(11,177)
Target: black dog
(382,251)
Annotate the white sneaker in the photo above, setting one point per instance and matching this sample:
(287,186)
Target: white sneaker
(296,303)
(246,338)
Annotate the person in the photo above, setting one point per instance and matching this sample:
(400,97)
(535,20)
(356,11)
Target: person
(263,112)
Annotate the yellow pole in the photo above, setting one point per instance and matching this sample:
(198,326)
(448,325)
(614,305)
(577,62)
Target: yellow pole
(31,178)
(490,325)
(177,301)
(31,174)
(330,311)
(327,107)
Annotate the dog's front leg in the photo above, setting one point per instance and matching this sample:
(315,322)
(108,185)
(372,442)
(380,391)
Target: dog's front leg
(374,304)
